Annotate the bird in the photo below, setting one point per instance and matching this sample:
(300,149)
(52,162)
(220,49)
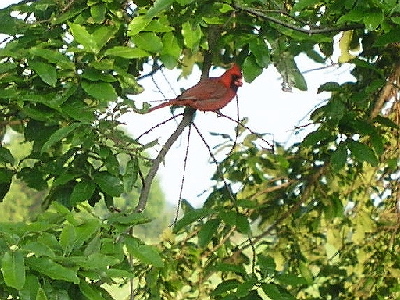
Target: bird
(209,94)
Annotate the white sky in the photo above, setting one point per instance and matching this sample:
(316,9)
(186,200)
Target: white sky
(267,107)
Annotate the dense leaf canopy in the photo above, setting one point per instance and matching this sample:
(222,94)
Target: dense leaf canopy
(319,220)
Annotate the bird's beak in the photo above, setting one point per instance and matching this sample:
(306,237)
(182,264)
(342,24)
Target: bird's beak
(239,82)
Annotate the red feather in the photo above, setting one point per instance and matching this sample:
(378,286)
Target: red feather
(209,94)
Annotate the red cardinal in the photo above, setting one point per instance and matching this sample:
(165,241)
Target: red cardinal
(209,94)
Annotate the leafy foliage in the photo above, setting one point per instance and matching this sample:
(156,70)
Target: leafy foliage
(318,220)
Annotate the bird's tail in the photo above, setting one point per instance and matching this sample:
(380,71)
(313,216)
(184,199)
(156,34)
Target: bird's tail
(160,106)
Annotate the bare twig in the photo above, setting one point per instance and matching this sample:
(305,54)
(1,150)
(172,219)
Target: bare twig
(183,178)
(158,125)
(387,91)
(153,71)
(259,135)
(144,194)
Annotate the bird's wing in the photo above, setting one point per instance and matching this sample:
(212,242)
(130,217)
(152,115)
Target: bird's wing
(206,89)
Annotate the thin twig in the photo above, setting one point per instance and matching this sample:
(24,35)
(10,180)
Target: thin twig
(153,71)
(158,125)
(231,196)
(183,177)
(144,194)
(259,135)
(387,91)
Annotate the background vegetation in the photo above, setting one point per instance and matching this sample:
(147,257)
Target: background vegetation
(317,221)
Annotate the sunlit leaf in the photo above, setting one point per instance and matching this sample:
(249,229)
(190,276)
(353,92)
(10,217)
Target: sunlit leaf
(191,34)
(52,269)
(148,41)
(83,37)
(126,52)
(13,269)
(46,72)
(102,91)
(158,6)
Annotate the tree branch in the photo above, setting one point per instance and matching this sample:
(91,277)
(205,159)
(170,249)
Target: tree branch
(261,14)
(144,194)
(387,91)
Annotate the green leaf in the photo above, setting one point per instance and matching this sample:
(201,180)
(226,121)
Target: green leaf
(190,217)
(244,288)
(30,289)
(339,158)
(69,14)
(290,279)
(46,72)
(242,224)
(315,56)
(251,69)
(98,12)
(57,136)
(78,110)
(54,57)
(316,137)
(229,217)
(158,6)
(39,249)
(9,25)
(85,231)
(377,142)
(41,295)
(362,152)
(170,55)
(260,51)
(267,264)
(82,191)
(274,292)
(191,35)
(291,75)
(299,80)
(6,156)
(147,254)
(108,183)
(131,174)
(55,271)
(127,52)
(97,75)
(373,19)
(67,238)
(207,231)
(328,87)
(354,15)
(137,24)
(82,36)
(102,91)
(102,35)
(225,286)
(131,219)
(387,38)
(91,292)
(159,25)
(13,269)
(301,5)
(234,268)
(148,41)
